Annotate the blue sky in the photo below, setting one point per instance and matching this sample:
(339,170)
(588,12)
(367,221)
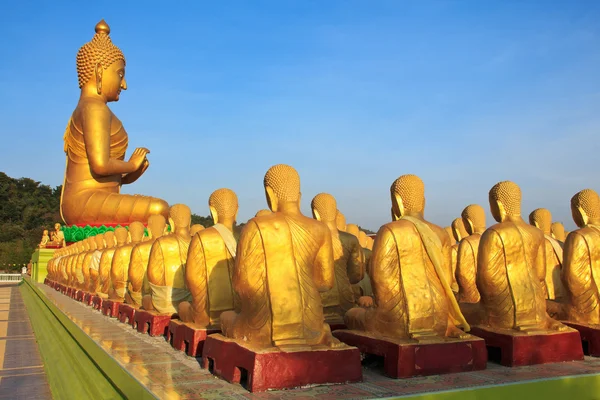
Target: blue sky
(351,93)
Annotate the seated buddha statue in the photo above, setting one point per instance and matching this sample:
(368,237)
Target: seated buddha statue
(78,267)
(118,238)
(411,256)
(57,237)
(210,263)
(87,258)
(74,262)
(138,264)
(340,221)
(362,288)
(448,230)
(90,274)
(45,239)
(459,232)
(541,218)
(284,260)
(581,263)
(348,260)
(558,232)
(260,213)
(511,268)
(166,264)
(119,269)
(473,217)
(95,143)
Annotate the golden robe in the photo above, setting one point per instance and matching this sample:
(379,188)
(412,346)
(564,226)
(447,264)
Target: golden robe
(104,272)
(137,280)
(554,260)
(119,270)
(466,269)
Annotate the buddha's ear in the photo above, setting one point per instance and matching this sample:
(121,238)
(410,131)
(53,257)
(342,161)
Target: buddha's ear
(149,233)
(469,226)
(399,207)
(501,211)
(214,214)
(271,198)
(316,214)
(128,236)
(585,219)
(98,72)
(171,224)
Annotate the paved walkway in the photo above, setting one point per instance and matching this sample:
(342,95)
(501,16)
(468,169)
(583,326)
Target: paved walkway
(170,374)
(22,373)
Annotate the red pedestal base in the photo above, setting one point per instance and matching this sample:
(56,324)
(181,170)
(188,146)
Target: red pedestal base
(275,369)
(407,358)
(97,303)
(152,323)
(518,349)
(87,299)
(127,314)
(110,308)
(590,337)
(337,327)
(80,295)
(187,338)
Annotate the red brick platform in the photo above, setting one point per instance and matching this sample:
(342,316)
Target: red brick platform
(590,337)
(408,358)
(518,349)
(110,308)
(152,323)
(185,337)
(263,370)
(97,303)
(127,314)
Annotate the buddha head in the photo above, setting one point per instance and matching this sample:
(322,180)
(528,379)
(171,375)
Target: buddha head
(505,201)
(157,225)
(101,65)
(261,213)
(458,229)
(324,208)
(45,232)
(362,239)
(223,205)
(408,196)
(99,239)
(340,221)
(585,207)
(353,229)
(180,218)
(473,217)
(136,231)
(541,218)
(282,187)
(121,235)
(448,230)
(196,228)
(558,231)
(370,242)
(109,239)
(57,226)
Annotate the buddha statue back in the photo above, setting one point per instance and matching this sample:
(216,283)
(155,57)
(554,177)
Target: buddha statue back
(119,270)
(473,217)
(541,218)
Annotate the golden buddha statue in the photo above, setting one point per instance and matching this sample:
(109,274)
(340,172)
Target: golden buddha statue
(119,270)
(210,264)
(195,229)
(78,278)
(348,261)
(87,259)
(138,264)
(458,233)
(284,260)
(90,274)
(57,237)
(558,232)
(581,263)
(448,230)
(511,267)
(362,288)
(473,217)
(112,239)
(411,258)
(340,221)
(166,264)
(96,142)
(541,218)
(45,239)
(260,213)
(73,263)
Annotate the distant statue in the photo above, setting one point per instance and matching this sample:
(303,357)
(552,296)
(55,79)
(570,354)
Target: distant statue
(57,237)
(473,217)
(45,239)
(95,143)
(558,232)
(340,221)
(541,218)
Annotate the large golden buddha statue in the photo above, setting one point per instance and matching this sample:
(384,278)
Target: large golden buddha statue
(167,262)
(511,267)
(558,232)
(348,260)
(96,142)
(581,264)
(210,264)
(541,218)
(119,270)
(138,264)
(284,260)
(473,217)
(411,256)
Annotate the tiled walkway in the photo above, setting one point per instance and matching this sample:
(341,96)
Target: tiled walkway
(171,374)
(22,373)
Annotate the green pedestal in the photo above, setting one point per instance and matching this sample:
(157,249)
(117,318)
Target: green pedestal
(39,261)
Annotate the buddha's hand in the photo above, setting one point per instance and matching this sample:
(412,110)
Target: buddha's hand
(138,157)
(365,301)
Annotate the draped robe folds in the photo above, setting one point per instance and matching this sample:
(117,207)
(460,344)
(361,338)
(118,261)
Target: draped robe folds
(138,264)
(166,266)
(208,274)
(104,272)
(282,264)
(581,274)
(119,270)
(94,267)
(466,269)
(85,270)
(510,283)
(78,269)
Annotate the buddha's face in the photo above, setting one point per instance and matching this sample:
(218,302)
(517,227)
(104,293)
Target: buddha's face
(113,81)
(57,227)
